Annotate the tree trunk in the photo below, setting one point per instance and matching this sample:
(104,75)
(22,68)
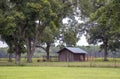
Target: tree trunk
(31,47)
(47,51)
(30,50)
(29,56)
(48,56)
(105,52)
(10,57)
(17,58)
(29,59)
(18,55)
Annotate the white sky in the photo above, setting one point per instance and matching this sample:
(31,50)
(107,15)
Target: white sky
(2,44)
(65,21)
(82,41)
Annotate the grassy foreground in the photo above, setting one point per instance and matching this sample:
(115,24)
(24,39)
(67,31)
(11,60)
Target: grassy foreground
(58,73)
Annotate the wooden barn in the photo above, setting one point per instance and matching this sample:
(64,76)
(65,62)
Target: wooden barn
(71,54)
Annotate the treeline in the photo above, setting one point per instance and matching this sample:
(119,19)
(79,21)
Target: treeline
(93,51)
(27,24)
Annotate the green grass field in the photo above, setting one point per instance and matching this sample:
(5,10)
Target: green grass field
(96,69)
(58,73)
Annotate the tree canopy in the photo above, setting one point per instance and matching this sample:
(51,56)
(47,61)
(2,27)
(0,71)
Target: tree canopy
(27,23)
(104,25)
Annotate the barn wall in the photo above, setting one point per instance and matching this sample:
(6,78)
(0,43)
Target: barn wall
(65,56)
(76,57)
(79,57)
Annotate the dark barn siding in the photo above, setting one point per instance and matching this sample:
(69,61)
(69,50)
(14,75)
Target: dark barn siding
(79,57)
(68,56)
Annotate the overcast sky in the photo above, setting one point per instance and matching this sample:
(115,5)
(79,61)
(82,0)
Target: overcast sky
(3,44)
(82,41)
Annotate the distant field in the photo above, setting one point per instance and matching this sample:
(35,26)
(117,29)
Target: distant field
(58,73)
(95,63)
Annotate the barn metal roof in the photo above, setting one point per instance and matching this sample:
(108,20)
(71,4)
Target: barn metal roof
(76,50)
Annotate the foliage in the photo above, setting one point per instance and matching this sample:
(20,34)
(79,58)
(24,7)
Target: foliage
(103,25)
(51,32)
(106,25)
(23,22)
(28,22)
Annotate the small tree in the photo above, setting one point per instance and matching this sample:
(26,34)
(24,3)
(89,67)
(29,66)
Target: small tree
(47,39)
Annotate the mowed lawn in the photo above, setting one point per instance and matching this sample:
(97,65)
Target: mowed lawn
(58,73)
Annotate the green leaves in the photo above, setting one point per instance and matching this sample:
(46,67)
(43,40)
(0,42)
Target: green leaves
(108,25)
(19,16)
(33,7)
(18,21)
(70,38)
